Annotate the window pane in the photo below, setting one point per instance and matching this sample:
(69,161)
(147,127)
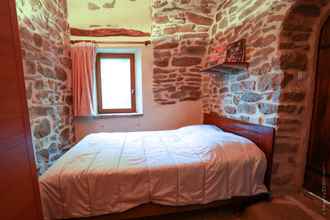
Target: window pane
(116,83)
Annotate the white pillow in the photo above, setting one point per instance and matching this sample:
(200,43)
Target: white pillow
(200,128)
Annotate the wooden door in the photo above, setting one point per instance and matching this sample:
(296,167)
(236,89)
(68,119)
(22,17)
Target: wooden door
(318,162)
(19,194)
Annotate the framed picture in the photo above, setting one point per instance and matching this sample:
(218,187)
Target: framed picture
(236,52)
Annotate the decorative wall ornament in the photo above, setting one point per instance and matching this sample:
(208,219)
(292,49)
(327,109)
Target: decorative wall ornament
(236,52)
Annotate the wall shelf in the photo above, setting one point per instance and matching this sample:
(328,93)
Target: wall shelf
(226,67)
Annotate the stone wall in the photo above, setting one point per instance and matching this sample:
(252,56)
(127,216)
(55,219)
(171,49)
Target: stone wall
(180,37)
(45,46)
(250,95)
(273,90)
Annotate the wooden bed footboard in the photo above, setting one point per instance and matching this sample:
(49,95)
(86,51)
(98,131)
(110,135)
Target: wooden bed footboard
(262,136)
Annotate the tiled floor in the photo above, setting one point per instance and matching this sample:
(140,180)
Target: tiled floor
(289,207)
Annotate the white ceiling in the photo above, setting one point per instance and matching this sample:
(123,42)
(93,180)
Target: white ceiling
(132,14)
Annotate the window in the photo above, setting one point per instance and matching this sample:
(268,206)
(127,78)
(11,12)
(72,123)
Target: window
(115,81)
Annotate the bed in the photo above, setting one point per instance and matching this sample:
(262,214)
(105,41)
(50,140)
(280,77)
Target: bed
(138,174)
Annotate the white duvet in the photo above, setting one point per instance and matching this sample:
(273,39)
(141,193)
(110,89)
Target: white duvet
(113,172)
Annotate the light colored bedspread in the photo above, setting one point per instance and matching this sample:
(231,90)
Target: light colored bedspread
(113,172)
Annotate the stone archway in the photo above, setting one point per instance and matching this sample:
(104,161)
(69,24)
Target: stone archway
(297,47)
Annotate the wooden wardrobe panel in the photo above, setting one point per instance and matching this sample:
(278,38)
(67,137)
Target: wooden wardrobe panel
(16,193)
(19,184)
(15,168)
(14,127)
(318,162)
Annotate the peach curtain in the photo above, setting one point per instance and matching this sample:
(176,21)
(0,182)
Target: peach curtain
(83,66)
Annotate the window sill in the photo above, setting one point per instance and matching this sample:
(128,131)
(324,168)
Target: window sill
(118,115)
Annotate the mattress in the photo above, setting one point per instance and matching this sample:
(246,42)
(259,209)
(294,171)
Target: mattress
(112,172)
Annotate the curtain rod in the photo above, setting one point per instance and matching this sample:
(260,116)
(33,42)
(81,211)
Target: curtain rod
(146,43)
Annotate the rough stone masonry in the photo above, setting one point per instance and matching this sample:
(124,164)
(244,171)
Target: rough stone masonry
(47,66)
(280,49)
(180,38)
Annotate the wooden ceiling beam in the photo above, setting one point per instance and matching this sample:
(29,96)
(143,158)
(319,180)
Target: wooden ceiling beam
(146,43)
(108,32)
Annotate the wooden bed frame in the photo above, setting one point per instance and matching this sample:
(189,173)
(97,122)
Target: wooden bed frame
(262,136)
